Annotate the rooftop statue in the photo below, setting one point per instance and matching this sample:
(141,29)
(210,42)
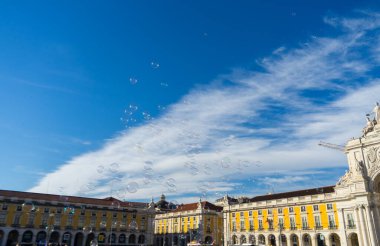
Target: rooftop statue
(376,110)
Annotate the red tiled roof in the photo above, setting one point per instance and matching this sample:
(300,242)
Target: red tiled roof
(308,192)
(109,201)
(194,206)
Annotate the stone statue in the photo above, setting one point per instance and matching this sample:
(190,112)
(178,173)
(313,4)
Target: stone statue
(376,110)
(369,127)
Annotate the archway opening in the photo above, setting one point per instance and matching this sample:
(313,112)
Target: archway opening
(90,240)
(208,240)
(334,239)
(261,239)
(321,240)
(252,239)
(353,239)
(54,238)
(306,239)
(122,238)
(12,238)
(41,238)
(78,241)
(272,240)
(294,240)
(132,239)
(141,239)
(234,240)
(66,238)
(243,239)
(27,238)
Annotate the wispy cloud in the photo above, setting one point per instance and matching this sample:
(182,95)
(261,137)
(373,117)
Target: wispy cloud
(227,133)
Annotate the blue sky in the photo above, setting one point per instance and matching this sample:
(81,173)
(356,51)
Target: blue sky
(189,98)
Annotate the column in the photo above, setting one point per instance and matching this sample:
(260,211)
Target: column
(328,240)
(289,240)
(358,225)
(363,230)
(370,225)
(342,227)
(376,217)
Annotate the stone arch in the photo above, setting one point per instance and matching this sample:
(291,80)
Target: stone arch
(283,240)
(141,239)
(41,238)
(27,237)
(320,239)
(271,240)
(261,239)
(1,237)
(175,240)
(132,239)
(243,239)
(66,238)
(234,239)
(334,239)
(112,238)
(294,240)
(306,240)
(353,239)
(78,240)
(12,238)
(208,240)
(89,239)
(252,239)
(122,238)
(375,182)
(54,237)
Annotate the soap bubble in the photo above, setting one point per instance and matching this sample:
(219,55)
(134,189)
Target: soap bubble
(100,169)
(114,167)
(28,206)
(154,65)
(132,187)
(163,84)
(133,81)
(170,182)
(226,162)
(69,210)
(146,116)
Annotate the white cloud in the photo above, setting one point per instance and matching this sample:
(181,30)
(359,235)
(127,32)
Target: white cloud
(263,122)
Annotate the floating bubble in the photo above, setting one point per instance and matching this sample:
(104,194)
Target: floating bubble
(149,163)
(100,169)
(146,116)
(163,84)
(227,142)
(133,225)
(132,187)
(207,169)
(133,81)
(194,170)
(28,206)
(172,189)
(115,205)
(154,65)
(69,210)
(161,108)
(114,167)
(170,182)
(226,162)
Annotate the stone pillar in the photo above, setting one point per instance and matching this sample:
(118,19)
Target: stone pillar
(376,217)
(342,227)
(358,225)
(289,240)
(363,230)
(328,240)
(370,223)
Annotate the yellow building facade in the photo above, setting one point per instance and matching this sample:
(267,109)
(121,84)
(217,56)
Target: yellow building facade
(37,219)
(200,222)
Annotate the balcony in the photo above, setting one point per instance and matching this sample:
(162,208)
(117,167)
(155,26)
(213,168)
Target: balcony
(15,225)
(42,226)
(251,228)
(305,228)
(318,227)
(293,228)
(2,224)
(333,227)
(260,228)
(270,228)
(69,227)
(29,226)
(351,226)
(233,229)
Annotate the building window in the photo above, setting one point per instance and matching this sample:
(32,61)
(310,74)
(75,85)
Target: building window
(134,216)
(57,220)
(279,210)
(331,222)
(104,214)
(16,219)
(45,218)
(350,221)
(260,212)
(304,223)
(242,227)
(291,209)
(250,213)
(292,223)
(59,210)
(19,208)
(270,224)
(316,208)
(233,226)
(241,214)
(3,217)
(303,209)
(317,221)
(4,207)
(69,221)
(31,219)
(46,210)
(269,211)
(233,215)
(260,225)
(251,225)
(281,223)
(329,206)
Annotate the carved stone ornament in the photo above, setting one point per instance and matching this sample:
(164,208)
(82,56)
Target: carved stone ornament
(345,179)
(372,155)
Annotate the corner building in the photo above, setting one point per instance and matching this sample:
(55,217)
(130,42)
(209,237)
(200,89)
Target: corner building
(345,214)
(190,223)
